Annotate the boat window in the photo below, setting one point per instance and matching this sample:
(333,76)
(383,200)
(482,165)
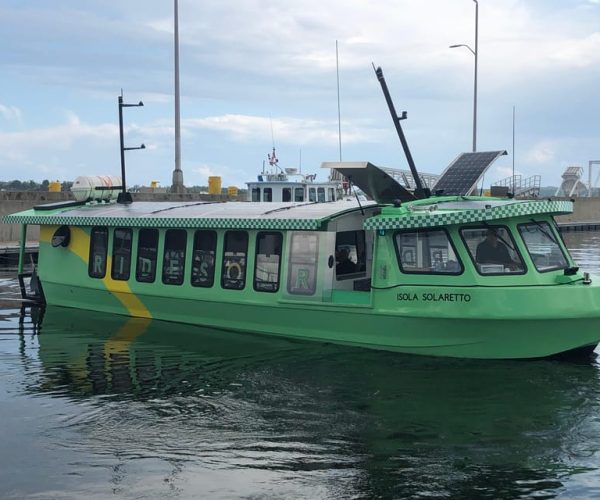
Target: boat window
(321,195)
(98,249)
(145,271)
(312,194)
(286,194)
(542,245)
(121,254)
(298,194)
(255,194)
(235,251)
(427,251)
(350,256)
(203,258)
(304,253)
(331,194)
(174,259)
(267,194)
(493,250)
(268,262)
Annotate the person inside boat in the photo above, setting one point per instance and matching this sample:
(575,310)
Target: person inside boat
(493,251)
(344,264)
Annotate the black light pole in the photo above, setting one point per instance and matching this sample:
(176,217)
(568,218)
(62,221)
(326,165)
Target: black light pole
(124,195)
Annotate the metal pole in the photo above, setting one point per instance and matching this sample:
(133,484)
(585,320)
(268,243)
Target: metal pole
(419,191)
(177,106)
(22,244)
(337,65)
(513,153)
(177,183)
(475,83)
(123,184)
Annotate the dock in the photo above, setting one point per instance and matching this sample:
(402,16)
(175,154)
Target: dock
(9,252)
(566,227)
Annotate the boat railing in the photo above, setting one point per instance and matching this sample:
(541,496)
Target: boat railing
(528,187)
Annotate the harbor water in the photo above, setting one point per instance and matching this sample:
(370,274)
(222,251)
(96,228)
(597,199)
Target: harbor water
(95,406)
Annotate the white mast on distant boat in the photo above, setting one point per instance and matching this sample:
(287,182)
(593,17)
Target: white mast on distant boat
(177,186)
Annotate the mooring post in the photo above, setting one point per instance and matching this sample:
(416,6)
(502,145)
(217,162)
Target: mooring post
(23,242)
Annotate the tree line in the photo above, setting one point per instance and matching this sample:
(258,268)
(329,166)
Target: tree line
(66,186)
(31,185)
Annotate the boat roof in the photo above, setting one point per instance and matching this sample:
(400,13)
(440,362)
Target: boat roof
(239,215)
(444,211)
(430,212)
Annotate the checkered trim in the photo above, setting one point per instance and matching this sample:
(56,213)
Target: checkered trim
(414,220)
(163,222)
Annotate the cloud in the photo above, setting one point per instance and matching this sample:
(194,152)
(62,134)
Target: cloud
(542,153)
(244,60)
(579,53)
(34,152)
(203,170)
(503,172)
(10,113)
(288,130)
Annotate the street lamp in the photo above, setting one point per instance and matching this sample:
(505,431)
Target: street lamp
(474,52)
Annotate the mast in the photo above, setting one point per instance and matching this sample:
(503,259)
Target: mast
(420,192)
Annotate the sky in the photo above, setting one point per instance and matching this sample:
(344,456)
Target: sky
(258,73)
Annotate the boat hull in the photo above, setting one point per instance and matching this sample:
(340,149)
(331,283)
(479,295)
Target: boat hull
(350,324)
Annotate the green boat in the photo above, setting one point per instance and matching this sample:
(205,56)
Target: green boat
(444,275)
(411,277)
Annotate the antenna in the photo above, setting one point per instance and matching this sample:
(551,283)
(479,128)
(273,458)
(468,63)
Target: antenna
(420,192)
(513,153)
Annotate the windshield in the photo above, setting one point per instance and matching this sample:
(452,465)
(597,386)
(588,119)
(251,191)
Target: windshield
(543,246)
(493,250)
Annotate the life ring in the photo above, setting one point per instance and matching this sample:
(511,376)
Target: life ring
(235,265)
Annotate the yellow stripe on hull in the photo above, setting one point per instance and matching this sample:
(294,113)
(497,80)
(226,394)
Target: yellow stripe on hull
(80,246)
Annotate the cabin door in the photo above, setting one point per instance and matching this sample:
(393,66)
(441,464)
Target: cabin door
(353,251)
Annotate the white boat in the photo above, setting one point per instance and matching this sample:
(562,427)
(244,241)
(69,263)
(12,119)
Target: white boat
(290,185)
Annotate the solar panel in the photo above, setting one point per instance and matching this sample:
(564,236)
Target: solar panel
(462,175)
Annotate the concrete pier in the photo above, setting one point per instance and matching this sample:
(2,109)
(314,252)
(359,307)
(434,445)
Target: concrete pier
(585,210)
(17,201)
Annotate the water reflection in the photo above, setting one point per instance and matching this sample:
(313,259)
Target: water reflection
(585,249)
(173,409)
(97,406)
